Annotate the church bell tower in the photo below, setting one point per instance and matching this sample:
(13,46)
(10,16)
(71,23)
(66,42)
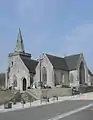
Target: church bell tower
(19,51)
(19,44)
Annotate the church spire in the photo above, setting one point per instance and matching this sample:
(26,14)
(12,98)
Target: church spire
(19,44)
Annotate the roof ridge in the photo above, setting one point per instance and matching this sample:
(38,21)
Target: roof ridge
(63,57)
(90,71)
(73,55)
(55,56)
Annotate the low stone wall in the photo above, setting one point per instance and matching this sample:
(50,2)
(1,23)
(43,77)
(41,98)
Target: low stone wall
(36,93)
(56,92)
(51,92)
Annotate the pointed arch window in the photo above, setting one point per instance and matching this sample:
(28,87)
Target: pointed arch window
(44,75)
(82,73)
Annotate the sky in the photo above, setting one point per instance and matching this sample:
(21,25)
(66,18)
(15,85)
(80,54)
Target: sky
(58,27)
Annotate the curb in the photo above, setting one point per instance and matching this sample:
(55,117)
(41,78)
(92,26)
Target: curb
(45,103)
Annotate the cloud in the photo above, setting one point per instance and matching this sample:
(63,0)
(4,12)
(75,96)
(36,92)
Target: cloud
(81,40)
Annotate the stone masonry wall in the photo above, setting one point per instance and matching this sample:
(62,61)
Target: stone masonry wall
(19,69)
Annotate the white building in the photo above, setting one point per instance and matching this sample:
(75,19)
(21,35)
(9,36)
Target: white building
(51,70)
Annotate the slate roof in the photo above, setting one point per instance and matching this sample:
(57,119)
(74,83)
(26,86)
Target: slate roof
(72,61)
(57,62)
(66,63)
(90,73)
(30,64)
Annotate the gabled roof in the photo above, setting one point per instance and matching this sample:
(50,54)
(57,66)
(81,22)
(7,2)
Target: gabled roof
(66,63)
(30,64)
(57,62)
(72,61)
(90,73)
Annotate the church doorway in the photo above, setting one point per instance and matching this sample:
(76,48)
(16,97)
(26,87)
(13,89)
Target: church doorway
(24,84)
(81,74)
(44,75)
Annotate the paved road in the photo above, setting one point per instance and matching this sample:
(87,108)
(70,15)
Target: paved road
(47,111)
(86,114)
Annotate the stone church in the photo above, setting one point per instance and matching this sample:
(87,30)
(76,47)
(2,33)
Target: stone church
(24,72)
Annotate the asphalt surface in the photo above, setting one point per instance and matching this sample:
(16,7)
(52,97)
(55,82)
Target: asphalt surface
(49,111)
(86,114)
